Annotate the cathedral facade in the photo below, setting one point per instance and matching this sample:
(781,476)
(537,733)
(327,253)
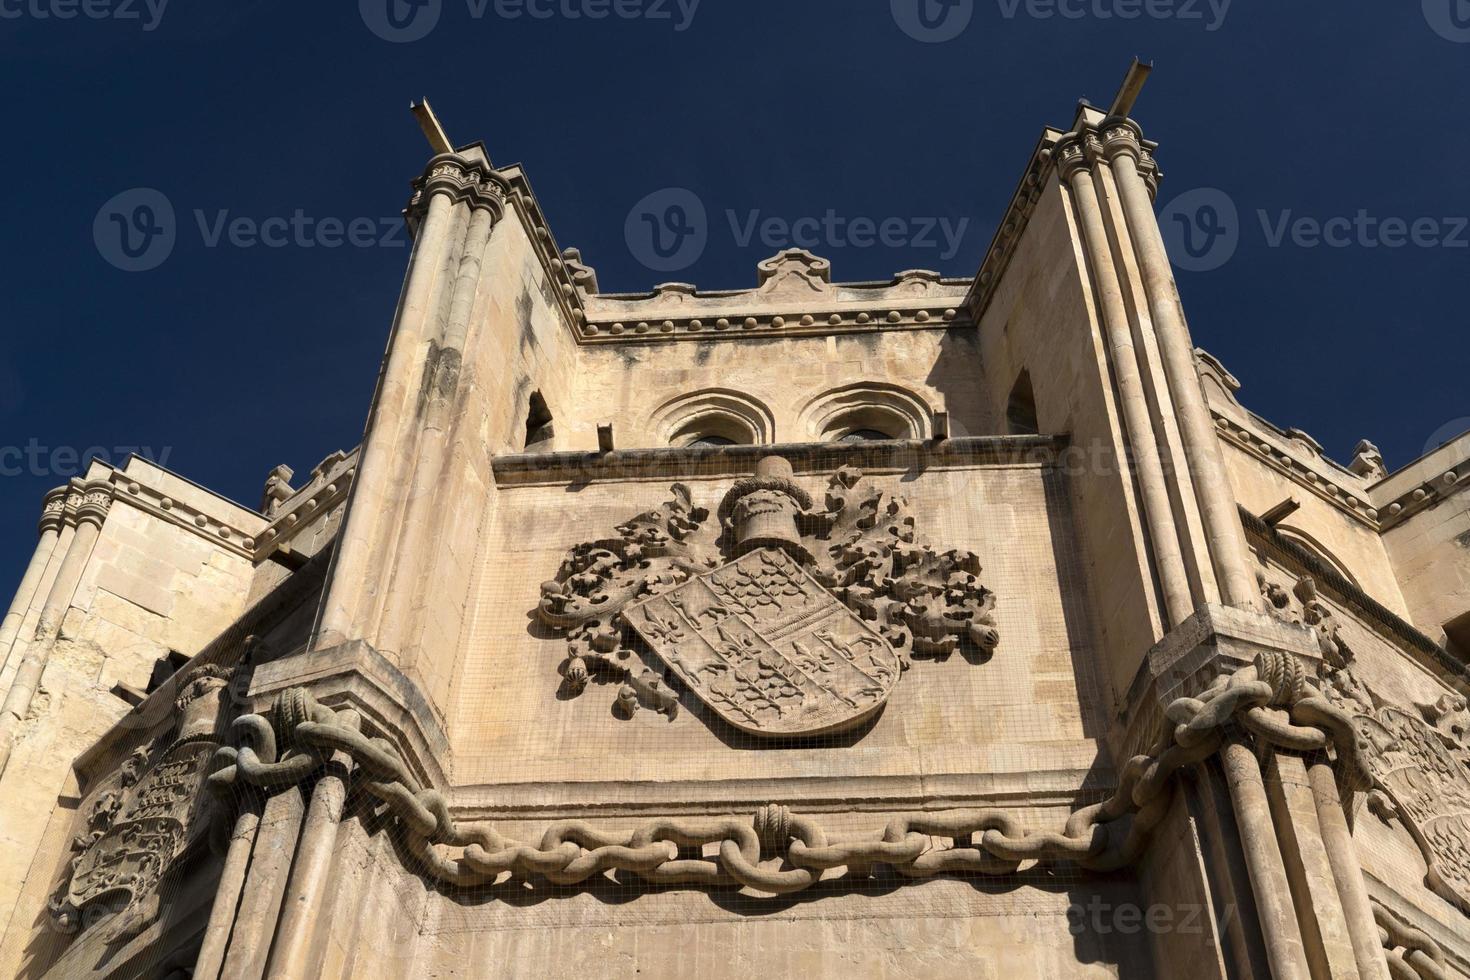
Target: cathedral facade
(919,628)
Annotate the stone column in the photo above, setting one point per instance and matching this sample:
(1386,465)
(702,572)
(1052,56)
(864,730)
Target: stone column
(1133,401)
(265,886)
(370,529)
(51,521)
(294,956)
(88,504)
(216,942)
(423,517)
(1325,930)
(1279,929)
(1122,141)
(1347,871)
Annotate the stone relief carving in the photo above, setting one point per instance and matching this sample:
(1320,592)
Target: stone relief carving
(1417,758)
(144,818)
(782,617)
(795,271)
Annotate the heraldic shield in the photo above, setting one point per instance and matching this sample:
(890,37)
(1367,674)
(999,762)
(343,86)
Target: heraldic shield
(768,649)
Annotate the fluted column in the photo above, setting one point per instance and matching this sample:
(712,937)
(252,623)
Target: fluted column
(1072,163)
(52,515)
(1274,907)
(87,505)
(295,953)
(1122,141)
(1347,871)
(451,187)
(424,515)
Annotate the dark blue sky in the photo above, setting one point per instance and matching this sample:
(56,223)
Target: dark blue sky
(231,359)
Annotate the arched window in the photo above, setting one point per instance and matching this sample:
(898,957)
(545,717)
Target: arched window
(866,411)
(1021,408)
(713,417)
(864,435)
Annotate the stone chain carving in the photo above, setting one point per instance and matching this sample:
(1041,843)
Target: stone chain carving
(1271,698)
(1412,954)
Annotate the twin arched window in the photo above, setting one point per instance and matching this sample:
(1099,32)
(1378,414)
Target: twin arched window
(854,413)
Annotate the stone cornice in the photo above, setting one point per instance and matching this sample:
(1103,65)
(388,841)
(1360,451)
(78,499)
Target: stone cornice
(1349,501)
(1064,151)
(1423,484)
(234,536)
(735,461)
(795,295)
(1383,621)
(305,506)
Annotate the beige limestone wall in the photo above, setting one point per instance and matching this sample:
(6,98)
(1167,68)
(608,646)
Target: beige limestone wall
(388,924)
(1430,553)
(1031,714)
(1041,320)
(631,385)
(151,585)
(1353,546)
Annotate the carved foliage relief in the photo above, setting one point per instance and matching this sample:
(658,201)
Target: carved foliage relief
(782,617)
(1417,758)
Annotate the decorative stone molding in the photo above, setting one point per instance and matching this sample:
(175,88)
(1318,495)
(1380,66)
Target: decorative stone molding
(89,502)
(1428,494)
(714,411)
(464,181)
(867,405)
(797,271)
(1349,501)
(1411,952)
(330,484)
(53,510)
(782,619)
(527,469)
(777,851)
(230,537)
(795,296)
(1067,152)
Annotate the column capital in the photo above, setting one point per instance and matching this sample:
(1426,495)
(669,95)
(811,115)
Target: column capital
(89,502)
(53,509)
(1070,154)
(462,180)
(1121,136)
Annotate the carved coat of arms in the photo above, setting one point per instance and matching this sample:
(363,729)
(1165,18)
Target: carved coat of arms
(782,618)
(145,818)
(1428,782)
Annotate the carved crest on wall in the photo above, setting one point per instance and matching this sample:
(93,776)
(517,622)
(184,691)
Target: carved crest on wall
(1427,778)
(782,617)
(145,817)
